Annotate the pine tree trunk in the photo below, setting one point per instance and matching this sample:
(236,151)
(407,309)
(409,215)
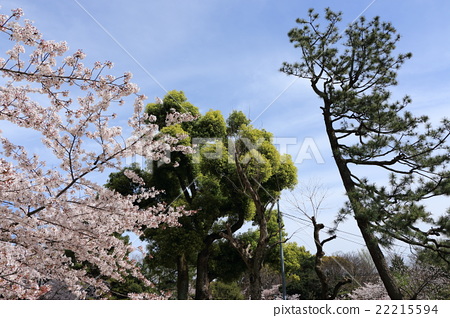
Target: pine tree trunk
(379,261)
(370,239)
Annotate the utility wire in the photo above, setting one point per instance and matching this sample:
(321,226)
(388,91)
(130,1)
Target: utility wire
(307,223)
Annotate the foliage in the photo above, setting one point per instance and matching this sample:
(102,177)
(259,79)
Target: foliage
(225,263)
(235,121)
(195,182)
(208,182)
(300,276)
(226,291)
(297,260)
(210,125)
(175,102)
(261,175)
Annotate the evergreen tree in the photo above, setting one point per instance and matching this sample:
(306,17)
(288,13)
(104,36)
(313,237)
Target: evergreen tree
(351,73)
(211,183)
(262,173)
(195,183)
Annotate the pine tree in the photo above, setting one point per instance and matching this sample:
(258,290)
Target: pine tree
(351,73)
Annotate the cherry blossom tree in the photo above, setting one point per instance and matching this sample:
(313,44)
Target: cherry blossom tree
(370,291)
(47,210)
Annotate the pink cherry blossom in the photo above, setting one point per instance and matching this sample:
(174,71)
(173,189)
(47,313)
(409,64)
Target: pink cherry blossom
(47,210)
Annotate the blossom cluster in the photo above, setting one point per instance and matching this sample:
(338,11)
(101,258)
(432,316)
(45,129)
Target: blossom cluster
(53,217)
(370,291)
(274,293)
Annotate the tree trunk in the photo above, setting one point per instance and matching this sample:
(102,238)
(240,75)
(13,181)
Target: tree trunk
(359,211)
(259,254)
(326,292)
(255,281)
(379,260)
(318,259)
(253,259)
(202,291)
(182,277)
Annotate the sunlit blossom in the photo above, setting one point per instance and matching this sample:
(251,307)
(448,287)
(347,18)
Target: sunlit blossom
(46,210)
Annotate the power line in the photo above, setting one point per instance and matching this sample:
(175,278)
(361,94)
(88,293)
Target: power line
(307,223)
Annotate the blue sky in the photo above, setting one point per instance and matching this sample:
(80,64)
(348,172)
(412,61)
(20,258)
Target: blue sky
(225,55)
